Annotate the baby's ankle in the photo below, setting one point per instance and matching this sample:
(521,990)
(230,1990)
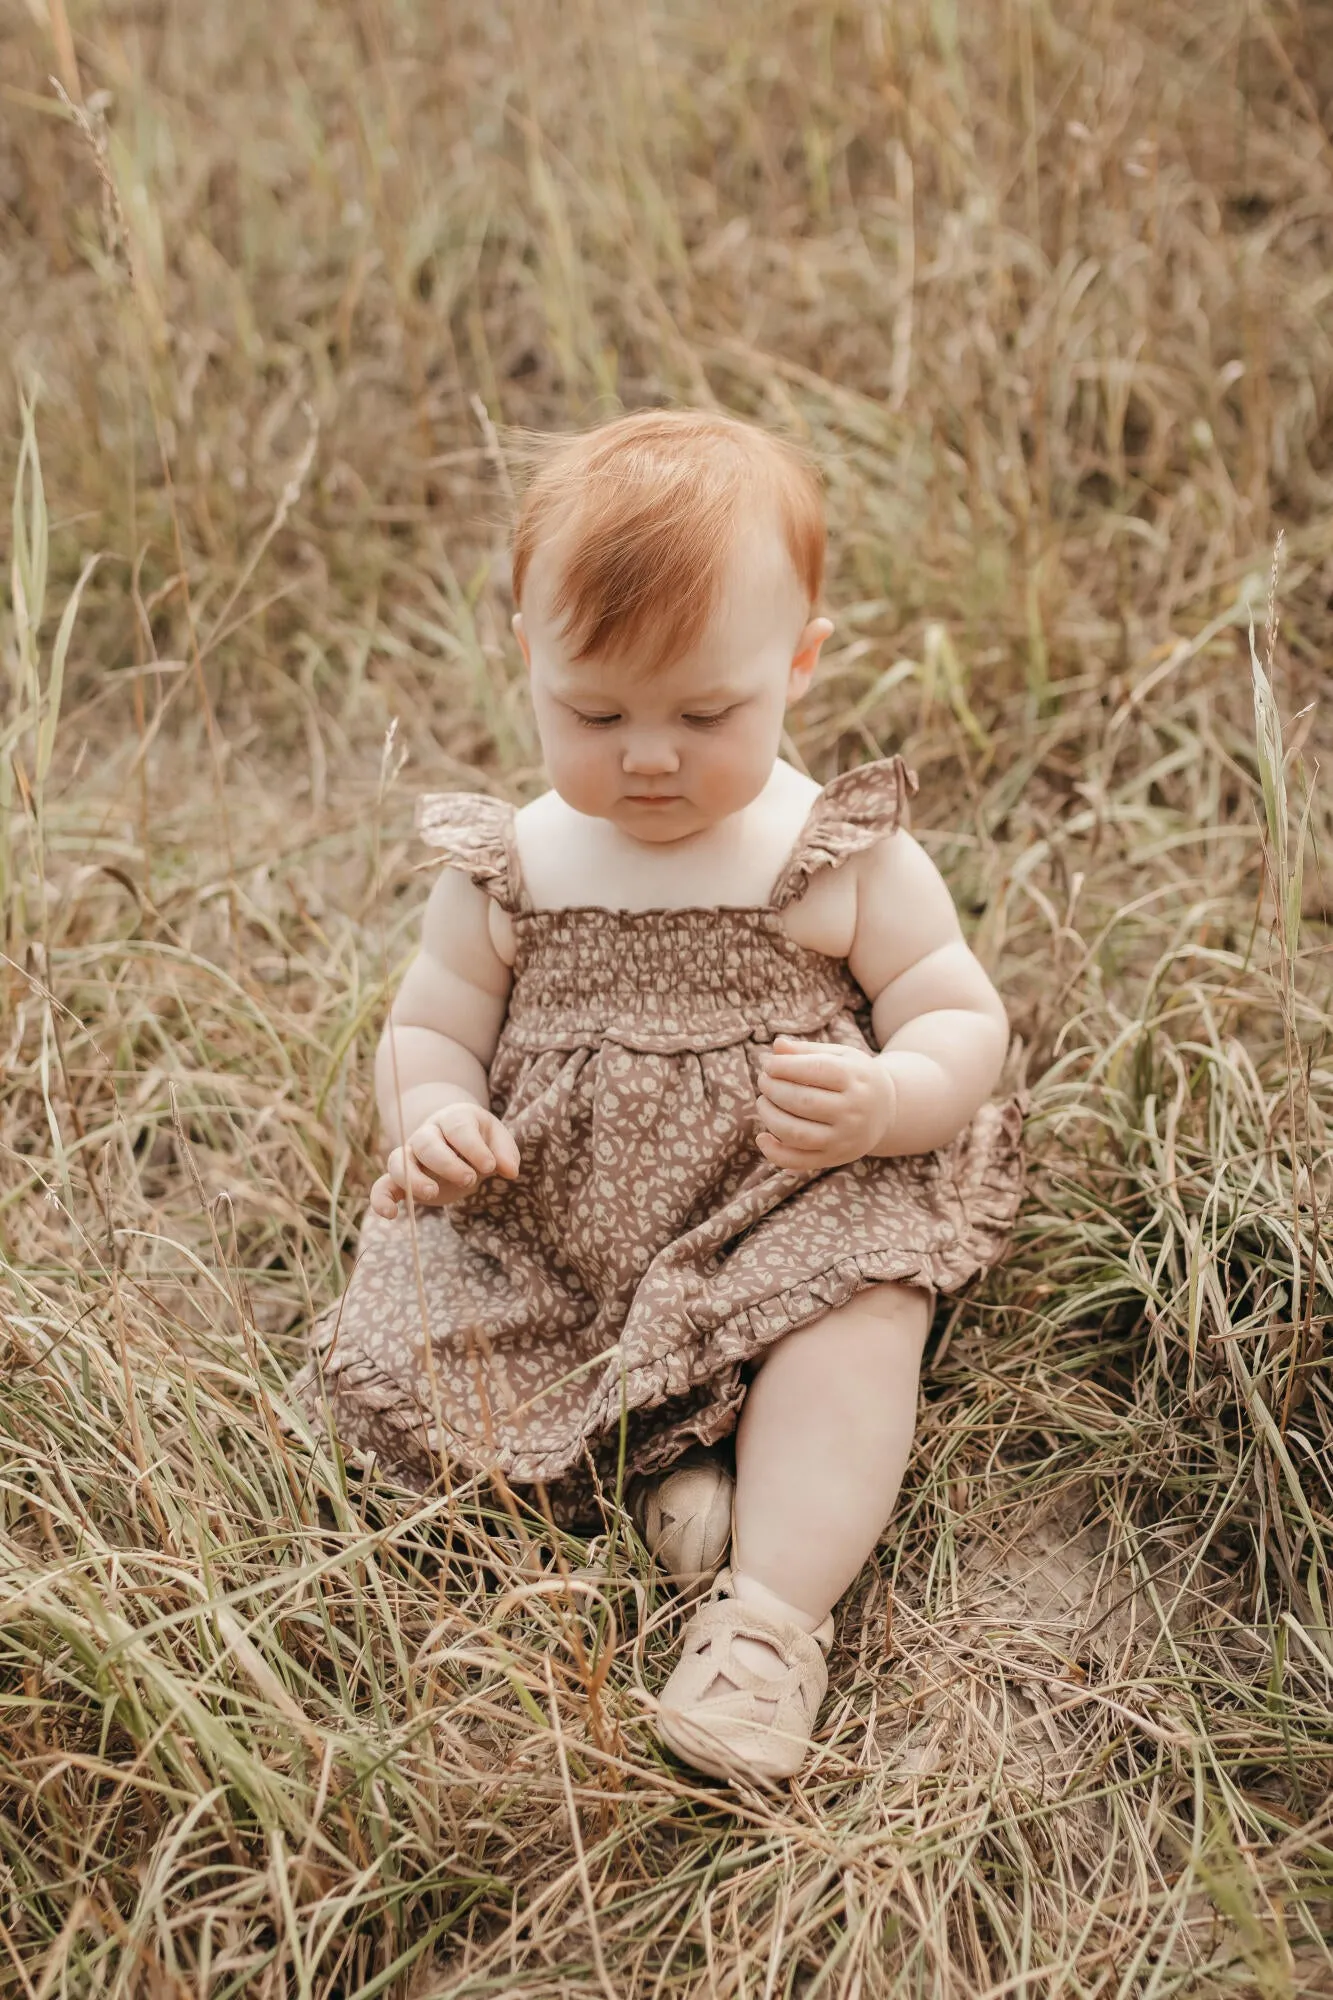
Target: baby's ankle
(758,1654)
(750,1591)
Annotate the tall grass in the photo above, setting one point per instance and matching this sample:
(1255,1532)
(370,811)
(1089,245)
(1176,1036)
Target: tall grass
(1047,291)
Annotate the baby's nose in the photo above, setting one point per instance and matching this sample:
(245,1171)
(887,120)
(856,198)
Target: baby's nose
(650,753)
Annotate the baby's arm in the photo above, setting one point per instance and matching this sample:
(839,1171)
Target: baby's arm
(940,1024)
(941,1027)
(431,1066)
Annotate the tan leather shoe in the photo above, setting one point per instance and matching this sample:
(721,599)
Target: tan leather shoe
(725,1718)
(684,1516)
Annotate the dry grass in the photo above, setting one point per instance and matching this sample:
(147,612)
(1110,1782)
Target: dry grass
(1049,291)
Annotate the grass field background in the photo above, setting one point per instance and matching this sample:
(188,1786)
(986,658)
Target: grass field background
(1049,290)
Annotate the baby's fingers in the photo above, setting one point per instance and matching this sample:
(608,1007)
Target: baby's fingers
(791,1159)
(796,1134)
(404,1170)
(385,1197)
(456,1160)
(802,1100)
(808,1063)
(504,1149)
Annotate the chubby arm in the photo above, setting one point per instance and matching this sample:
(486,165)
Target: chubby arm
(431,1065)
(940,1024)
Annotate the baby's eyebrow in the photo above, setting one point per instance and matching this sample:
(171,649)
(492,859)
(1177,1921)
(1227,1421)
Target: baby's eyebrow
(567,689)
(574,691)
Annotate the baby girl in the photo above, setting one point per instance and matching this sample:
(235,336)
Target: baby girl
(686,1091)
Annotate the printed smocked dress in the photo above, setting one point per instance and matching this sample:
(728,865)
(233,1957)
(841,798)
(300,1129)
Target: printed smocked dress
(647,1251)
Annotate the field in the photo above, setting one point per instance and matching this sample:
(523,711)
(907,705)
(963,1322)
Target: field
(1049,291)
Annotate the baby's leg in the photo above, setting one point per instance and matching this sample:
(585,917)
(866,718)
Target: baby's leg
(820,1451)
(823,1442)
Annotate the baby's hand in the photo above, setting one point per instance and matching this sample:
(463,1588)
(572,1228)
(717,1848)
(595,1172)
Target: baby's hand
(445,1157)
(821,1104)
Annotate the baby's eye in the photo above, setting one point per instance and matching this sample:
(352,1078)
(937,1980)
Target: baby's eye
(597,721)
(707,721)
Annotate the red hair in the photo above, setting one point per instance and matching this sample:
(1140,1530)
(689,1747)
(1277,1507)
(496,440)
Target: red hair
(646,510)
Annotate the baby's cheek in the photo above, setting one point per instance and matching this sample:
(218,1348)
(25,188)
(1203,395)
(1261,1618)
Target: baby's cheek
(579,762)
(726,777)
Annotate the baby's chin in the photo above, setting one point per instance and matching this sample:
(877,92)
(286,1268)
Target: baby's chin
(674,816)
(657,816)
(679,818)
(658,824)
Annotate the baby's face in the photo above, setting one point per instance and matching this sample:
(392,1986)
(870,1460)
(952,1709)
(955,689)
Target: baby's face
(664,757)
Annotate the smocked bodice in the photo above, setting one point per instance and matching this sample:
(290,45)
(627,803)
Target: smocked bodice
(667,979)
(670,979)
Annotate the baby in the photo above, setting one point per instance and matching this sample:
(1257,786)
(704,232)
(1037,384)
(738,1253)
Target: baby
(686,1090)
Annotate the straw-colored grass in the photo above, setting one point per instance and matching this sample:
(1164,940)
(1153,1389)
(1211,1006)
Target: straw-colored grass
(1048,290)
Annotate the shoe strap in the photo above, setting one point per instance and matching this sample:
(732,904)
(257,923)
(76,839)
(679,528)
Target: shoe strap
(725,1619)
(724,1590)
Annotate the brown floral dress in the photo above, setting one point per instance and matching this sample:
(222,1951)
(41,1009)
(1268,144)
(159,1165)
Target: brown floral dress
(647,1252)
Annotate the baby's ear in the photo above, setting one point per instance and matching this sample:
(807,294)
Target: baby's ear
(517,627)
(806,656)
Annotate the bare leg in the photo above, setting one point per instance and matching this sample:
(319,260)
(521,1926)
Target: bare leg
(823,1442)
(820,1452)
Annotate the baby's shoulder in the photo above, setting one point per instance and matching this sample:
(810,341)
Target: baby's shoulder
(853,853)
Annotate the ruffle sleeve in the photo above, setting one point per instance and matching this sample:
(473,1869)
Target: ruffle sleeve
(851,813)
(474,832)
